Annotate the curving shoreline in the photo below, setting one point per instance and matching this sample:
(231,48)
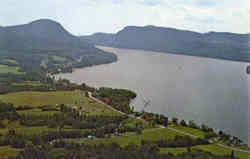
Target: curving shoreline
(162,127)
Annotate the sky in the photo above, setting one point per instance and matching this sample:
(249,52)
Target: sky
(84,17)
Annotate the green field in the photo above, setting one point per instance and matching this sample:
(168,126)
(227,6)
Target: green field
(28,83)
(8,69)
(209,148)
(174,151)
(37,112)
(26,131)
(195,132)
(133,138)
(158,134)
(59,58)
(218,150)
(78,98)
(11,61)
(71,98)
(7,151)
(23,129)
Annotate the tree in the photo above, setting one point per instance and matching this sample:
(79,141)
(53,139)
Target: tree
(205,128)
(183,123)
(209,135)
(11,132)
(175,121)
(232,155)
(2,126)
(87,94)
(34,152)
(152,123)
(138,131)
(236,140)
(61,126)
(161,119)
(192,124)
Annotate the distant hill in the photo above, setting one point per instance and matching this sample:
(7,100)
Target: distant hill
(41,35)
(100,39)
(248,69)
(228,46)
(46,38)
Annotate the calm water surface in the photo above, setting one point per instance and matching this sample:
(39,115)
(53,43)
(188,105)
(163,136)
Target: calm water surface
(206,90)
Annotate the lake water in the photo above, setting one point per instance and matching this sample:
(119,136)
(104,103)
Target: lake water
(210,91)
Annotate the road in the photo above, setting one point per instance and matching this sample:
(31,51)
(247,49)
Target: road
(110,107)
(161,126)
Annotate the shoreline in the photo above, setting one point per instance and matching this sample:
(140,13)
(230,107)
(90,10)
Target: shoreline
(175,54)
(214,59)
(170,128)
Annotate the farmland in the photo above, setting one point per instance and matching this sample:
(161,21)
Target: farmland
(71,98)
(59,115)
(133,138)
(10,69)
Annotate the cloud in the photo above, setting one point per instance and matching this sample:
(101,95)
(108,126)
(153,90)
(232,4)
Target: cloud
(206,3)
(89,16)
(152,2)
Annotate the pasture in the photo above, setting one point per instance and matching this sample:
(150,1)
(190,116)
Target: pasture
(70,98)
(10,69)
(218,150)
(133,138)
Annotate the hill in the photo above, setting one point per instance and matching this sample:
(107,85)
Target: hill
(220,45)
(41,34)
(45,43)
(104,39)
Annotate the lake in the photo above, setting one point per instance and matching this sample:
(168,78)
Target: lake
(210,91)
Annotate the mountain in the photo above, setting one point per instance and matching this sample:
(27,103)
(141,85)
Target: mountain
(41,34)
(100,39)
(37,43)
(220,45)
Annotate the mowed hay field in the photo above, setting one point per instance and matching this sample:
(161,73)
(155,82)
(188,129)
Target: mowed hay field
(218,150)
(8,69)
(215,149)
(8,151)
(133,138)
(195,132)
(70,98)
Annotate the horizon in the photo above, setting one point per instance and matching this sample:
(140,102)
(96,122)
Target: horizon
(85,17)
(179,29)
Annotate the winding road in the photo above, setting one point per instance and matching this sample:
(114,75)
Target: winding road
(161,126)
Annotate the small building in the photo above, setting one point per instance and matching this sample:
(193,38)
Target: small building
(80,113)
(85,111)
(90,137)
(106,100)
(74,108)
(117,133)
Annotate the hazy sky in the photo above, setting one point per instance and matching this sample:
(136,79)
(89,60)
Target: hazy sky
(88,16)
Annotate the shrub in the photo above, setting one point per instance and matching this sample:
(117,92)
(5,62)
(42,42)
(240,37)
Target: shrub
(175,121)
(183,123)
(192,124)
(25,107)
(210,135)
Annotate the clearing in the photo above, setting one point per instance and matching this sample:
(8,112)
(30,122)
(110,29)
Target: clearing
(70,98)
(9,69)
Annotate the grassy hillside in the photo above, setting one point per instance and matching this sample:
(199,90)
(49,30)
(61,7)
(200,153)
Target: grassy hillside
(220,45)
(133,138)
(45,46)
(107,126)
(71,98)
(222,151)
(10,69)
